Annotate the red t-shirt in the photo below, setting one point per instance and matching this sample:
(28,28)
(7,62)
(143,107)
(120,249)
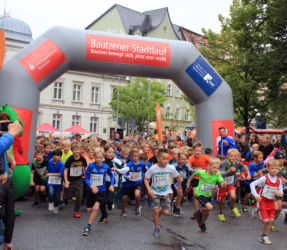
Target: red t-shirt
(200,163)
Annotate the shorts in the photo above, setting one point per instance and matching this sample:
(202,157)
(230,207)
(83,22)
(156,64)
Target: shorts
(246,188)
(194,183)
(131,190)
(203,200)
(266,214)
(39,182)
(92,198)
(161,201)
(221,194)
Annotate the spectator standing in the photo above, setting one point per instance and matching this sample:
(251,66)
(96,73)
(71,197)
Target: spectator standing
(225,143)
(267,146)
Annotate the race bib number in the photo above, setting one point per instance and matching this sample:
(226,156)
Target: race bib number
(229,180)
(40,170)
(138,176)
(55,180)
(206,188)
(97,180)
(76,171)
(161,180)
(268,192)
(182,174)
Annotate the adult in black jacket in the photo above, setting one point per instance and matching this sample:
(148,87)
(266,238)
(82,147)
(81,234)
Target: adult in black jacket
(243,146)
(267,146)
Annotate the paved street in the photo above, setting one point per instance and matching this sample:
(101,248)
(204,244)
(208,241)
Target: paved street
(38,228)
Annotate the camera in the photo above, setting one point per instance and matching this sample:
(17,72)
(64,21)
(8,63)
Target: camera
(4,126)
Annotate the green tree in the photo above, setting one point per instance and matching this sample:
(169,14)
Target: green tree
(134,102)
(245,55)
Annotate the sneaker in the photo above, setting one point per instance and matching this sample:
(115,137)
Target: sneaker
(285,216)
(176,212)
(212,201)
(265,240)
(203,228)
(149,202)
(110,207)
(55,210)
(274,229)
(132,202)
(66,202)
(61,203)
(51,206)
(138,211)
(199,217)
(77,215)
(103,220)
(156,232)
(181,213)
(36,204)
(74,198)
(252,202)
(119,205)
(235,212)
(122,215)
(255,213)
(17,211)
(244,210)
(221,217)
(86,231)
(228,203)
(193,217)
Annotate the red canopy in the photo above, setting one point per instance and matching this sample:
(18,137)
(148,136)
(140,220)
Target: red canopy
(46,127)
(77,129)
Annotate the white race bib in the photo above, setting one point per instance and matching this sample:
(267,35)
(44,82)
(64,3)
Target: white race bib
(206,188)
(182,174)
(97,180)
(161,180)
(108,178)
(76,171)
(138,176)
(55,180)
(40,170)
(229,180)
(268,192)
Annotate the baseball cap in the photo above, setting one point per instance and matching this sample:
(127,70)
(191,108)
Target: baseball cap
(278,155)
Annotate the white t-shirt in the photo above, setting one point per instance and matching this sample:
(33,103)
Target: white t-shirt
(161,178)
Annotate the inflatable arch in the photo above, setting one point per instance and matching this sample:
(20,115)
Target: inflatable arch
(60,49)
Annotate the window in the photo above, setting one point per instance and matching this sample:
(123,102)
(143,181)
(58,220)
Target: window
(168,109)
(93,124)
(177,92)
(77,93)
(95,95)
(177,111)
(164,29)
(58,90)
(57,121)
(76,120)
(186,115)
(168,89)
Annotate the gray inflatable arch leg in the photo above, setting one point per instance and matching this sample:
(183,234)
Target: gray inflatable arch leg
(60,49)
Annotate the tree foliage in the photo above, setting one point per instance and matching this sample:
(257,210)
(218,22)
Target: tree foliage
(250,54)
(134,102)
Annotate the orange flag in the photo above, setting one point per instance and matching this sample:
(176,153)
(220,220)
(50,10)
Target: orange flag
(2,47)
(159,121)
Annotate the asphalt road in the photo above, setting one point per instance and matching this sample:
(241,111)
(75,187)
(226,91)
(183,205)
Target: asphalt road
(38,228)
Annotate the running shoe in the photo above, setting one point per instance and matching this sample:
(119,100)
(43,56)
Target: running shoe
(221,217)
(51,206)
(66,202)
(199,217)
(138,211)
(285,216)
(265,240)
(103,220)
(235,212)
(77,215)
(156,232)
(255,213)
(132,202)
(122,215)
(228,203)
(244,210)
(252,202)
(176,212)
(61,203)
(36,204)
(193,217)
(55,210)
(17,211)
(110,207)
(203,228)
(86,231)
(149,202)
(74,198)
(212,201)
(181,213)
(274,229)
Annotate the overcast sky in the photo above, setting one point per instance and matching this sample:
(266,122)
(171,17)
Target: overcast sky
(41,15)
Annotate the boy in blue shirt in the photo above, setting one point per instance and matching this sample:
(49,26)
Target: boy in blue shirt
(134,182)
(48,154)
(96,181)
(55,180)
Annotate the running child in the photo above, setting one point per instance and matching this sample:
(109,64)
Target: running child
(207,181)
(96,182)
(160,188)
(38,178)
(55,180)
(271,187)
(74,167)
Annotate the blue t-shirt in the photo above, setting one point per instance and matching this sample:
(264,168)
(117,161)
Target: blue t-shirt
(147,166)
(254,169)
(58,168)
(96,176)
(139,169)
(128,160)
(49,157)
(184,172)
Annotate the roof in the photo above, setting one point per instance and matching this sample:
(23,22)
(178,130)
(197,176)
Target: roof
(46,127)
(178,31)
(156,17)
(77,129)
(16,29)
